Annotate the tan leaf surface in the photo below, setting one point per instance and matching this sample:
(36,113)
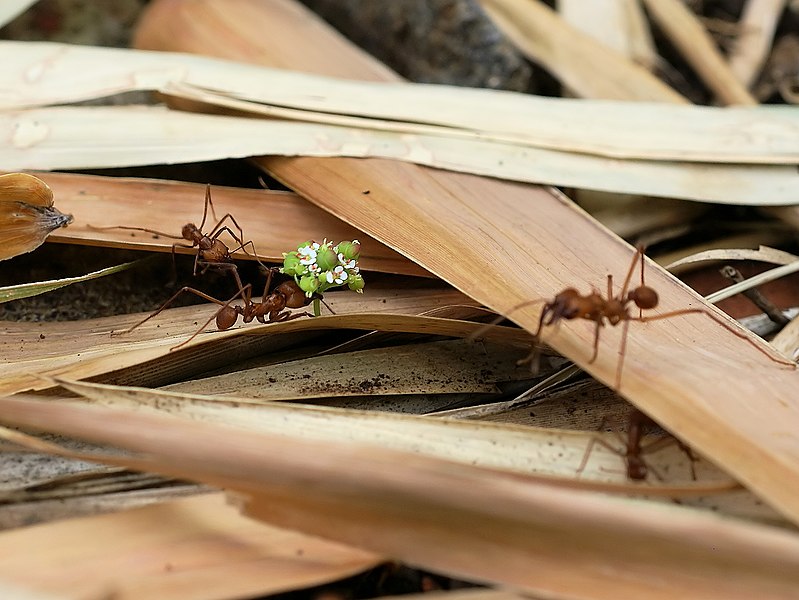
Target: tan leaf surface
(194,548)
(433,513)
(695,377)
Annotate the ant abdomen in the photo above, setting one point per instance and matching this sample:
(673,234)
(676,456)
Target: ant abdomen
(226,317)
(644,297)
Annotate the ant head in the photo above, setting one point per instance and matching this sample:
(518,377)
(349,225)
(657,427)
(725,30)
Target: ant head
(188,231)
(226,317)
(567,304)
(294,296)
(644,297)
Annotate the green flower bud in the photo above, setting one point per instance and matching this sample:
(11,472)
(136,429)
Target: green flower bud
(326,258)
(349,250)
(356,283)
(309,284)
(291,264)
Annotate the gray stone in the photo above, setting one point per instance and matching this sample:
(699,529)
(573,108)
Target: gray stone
(431,41)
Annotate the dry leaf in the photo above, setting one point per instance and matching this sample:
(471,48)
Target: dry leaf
(134,135)
(698,48)
(193,548)
(274,221)
(458,519)
(534,243)
(757,26)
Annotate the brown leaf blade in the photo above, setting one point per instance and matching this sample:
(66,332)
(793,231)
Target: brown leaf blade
(194,548)
(695,377)
(457,519)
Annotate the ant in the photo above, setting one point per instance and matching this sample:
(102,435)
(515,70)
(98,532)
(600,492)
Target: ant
(272,308)
(614,309)
(637,468)
(211,251)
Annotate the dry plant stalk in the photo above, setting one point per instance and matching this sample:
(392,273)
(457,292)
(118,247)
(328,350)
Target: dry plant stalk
(618,24)
(535,243)
(585,66)
(757,26)
(699,49)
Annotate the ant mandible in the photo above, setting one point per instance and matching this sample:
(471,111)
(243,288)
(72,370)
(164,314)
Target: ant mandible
(211,251)
(273,307)
(632,454)
(614,309)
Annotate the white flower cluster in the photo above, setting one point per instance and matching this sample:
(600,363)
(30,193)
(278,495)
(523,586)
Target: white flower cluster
(318,267)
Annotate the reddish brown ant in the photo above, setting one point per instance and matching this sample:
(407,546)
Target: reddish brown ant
(632,454)
(272,308)
(570,304)
(211,251)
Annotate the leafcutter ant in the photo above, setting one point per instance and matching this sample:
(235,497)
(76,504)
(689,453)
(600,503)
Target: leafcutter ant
(614,309)
(211,251)
(632,454)
(273,307)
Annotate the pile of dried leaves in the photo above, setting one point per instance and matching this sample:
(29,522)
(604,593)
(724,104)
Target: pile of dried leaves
(403,428)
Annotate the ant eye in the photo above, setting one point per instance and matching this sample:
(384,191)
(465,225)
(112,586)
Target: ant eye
(644,297)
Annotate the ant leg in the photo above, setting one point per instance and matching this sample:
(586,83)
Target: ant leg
(660,444)
(610,286)
(639,252)
(773,355)
(622,353)
(174,262)
(534,358)
(252,246)
(586,456)
(596,440)
(223,305)
(596,342)
(590,447)
(281,317)
(229,267)
(219,227)
(208,202)
(239,239)
(500,318)
(166,305)
(691,458)
(144,229)
(268,283)
(640,248)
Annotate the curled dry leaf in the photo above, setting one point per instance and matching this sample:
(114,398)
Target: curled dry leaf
(763,254)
